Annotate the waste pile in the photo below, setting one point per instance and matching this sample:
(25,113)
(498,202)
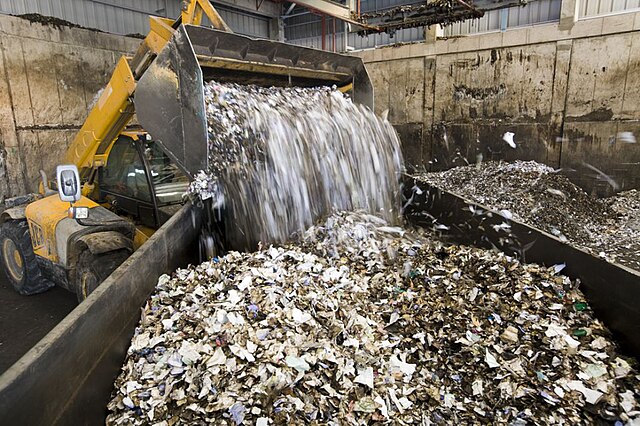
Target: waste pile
(621,240)
(280,158)
(362,322)
(540,196)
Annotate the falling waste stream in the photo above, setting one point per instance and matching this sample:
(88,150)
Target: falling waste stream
(281,158)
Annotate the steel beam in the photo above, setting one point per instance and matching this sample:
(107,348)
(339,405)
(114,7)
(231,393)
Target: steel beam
(335,10)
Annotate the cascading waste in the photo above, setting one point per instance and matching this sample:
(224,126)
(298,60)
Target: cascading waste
(281,158)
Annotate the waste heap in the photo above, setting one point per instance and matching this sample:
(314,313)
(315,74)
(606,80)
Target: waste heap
(363,322)
(283,157)
(542,197)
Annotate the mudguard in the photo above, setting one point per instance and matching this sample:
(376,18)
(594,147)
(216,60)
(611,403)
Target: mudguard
(103,242)
(13,213)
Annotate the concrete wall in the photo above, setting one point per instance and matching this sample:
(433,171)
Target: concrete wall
(567,94)
(49,77)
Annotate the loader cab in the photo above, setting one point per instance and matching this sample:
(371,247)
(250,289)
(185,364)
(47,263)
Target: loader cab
(139,180)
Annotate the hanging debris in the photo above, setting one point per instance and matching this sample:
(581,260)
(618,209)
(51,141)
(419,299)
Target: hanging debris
(541,197)
(283,157)
(364,322)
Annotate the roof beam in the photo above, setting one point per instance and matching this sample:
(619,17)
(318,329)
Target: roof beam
(336,10)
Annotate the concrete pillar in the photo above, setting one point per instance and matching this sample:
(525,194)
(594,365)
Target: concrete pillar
(276,29)
(432,33)
(569,11)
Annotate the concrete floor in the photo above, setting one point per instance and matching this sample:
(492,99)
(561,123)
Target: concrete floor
(24,320)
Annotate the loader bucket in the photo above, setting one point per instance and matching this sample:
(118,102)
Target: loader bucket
(169,98)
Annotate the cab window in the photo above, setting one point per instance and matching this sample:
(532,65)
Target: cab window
(124,173)
(169,183)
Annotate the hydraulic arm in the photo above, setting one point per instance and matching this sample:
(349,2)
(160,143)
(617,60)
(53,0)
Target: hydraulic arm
(114,108)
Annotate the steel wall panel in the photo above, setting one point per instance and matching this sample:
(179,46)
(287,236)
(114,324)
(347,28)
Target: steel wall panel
(534,12)
(305,29)
(589,8)
(127,17)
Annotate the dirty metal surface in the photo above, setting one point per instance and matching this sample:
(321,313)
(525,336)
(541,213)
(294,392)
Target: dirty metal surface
(612,290)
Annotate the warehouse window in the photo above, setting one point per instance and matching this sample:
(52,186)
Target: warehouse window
(590,8)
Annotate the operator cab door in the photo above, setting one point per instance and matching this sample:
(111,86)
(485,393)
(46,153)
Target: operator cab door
(125,184)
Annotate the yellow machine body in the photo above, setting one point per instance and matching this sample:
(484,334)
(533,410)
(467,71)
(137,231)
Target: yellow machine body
(43,217)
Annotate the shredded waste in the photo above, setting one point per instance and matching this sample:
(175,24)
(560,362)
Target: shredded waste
(361,322)
(281,158)
(540,196)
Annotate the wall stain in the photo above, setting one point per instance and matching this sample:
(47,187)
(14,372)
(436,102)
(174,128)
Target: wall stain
(601,114)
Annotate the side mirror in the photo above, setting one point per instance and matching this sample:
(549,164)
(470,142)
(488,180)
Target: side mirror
(68,183)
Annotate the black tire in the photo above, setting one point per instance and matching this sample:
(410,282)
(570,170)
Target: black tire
(92,270)
(18,259)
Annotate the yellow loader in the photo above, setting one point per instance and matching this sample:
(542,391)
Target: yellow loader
(120,183)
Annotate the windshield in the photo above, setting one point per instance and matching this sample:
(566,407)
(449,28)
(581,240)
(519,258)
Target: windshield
(168,181)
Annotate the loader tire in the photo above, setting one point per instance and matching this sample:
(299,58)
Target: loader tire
(18,259)
(92,270)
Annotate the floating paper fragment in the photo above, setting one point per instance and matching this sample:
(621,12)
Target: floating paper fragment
(237,412)
(132,386)
(490,359)
(549,398)
(382,406)
(394,317)
(508,138)
(262,421)
(621,368)
(128,402)
(473,294)
(218,357)
(396,365)
(571,342)
(506,214)
(559,267)
(245,283)
(626,137)
(510,334)
(140,341)
(477,387)
(365,377)
(299,316)
(189,352)
(555,330)
(628,401)
(591,396)
(298,363)
(167,323)
(401,403)
(595,370)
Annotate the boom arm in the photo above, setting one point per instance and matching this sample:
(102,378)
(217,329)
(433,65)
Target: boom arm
(114,108)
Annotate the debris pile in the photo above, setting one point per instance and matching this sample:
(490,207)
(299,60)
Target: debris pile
(540,196)
(364,322)
(283,157)
(620,240)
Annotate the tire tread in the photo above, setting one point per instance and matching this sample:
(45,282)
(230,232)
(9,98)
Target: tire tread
(34,281)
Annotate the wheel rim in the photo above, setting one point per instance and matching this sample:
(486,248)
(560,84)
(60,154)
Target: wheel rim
(13,260)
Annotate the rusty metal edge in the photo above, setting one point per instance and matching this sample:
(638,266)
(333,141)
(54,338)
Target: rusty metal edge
(67,377)
(612,290)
